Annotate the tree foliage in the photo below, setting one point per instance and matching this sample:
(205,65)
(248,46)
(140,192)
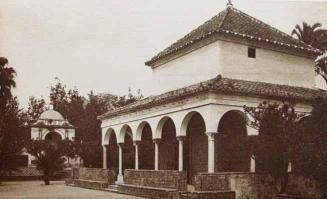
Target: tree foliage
(321,66)
(82,112)
(13,133)
(7,81)
(312,35)
(35,108)
(277,125)
(12,129)
(311,147)
(49,156)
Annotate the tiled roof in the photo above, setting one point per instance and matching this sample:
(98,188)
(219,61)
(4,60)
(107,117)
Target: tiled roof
(225,86)
(234,22)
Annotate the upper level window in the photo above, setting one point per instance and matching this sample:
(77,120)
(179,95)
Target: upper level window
(252,52)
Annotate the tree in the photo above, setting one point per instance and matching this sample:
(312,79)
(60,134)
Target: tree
(49,157)
(7,81)
(14,132)
(311,147)
(277,124)
(312,35)
(11,120)
(35,108)
(82,112)
(321,66)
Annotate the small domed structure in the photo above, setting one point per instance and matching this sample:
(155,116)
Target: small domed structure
(51,115)
(51,121)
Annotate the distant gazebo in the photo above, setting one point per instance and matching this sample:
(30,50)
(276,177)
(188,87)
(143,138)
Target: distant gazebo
(52,126)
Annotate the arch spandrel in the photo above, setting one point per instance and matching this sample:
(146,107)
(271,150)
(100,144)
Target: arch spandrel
(139,130)
(106,135)
(185,122)
(122,132)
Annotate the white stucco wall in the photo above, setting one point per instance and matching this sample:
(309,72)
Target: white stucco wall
(231,60)
(61,131)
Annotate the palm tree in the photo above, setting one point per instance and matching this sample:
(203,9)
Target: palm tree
(7,82)
(312,35)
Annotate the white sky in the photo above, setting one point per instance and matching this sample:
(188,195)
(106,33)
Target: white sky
(101,45)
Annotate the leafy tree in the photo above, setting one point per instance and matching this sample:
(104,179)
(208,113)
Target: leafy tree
(311,34)
(321,66)
(311,156)
(82,112)
(12,128)
(7,81)
(277,124)
(49,157)
(35,108)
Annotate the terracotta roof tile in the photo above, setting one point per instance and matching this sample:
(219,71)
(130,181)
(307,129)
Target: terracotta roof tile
(225,86)
(234,22)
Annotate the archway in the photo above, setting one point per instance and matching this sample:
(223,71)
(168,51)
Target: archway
(232,146)
(112,151)
(168,146)
(146,148)
(195,147)
(53,137)
(128,149)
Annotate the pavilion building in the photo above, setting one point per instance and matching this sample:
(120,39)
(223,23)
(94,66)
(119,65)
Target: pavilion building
(201,84)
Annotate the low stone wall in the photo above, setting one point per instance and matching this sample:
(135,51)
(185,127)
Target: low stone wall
(161,179)
(253,185)
(284,196)
(94,174)
(210,195)
(299,185)
(31,174)
(153,193)
(211,182)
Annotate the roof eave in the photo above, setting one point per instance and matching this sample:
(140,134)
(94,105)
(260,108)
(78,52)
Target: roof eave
(288,49)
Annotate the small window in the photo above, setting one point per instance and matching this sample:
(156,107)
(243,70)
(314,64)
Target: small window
(251,52)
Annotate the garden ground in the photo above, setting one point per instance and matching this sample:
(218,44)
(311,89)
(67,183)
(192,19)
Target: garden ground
(57,190)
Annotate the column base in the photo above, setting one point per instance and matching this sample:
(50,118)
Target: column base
(120,179)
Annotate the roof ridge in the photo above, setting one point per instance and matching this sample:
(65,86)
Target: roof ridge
(224,18)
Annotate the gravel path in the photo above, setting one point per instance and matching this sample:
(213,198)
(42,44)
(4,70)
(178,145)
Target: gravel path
(57,190)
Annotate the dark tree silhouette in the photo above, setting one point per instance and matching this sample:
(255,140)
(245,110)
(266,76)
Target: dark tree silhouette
(49,156)
(312,34)
(7,81)
(277,125)
(311,147)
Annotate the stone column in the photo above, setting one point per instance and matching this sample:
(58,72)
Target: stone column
(104,148)
(120,178)
(180,153)
(156,154)
(211,151)
(252,164)
(289,167)
(136,145)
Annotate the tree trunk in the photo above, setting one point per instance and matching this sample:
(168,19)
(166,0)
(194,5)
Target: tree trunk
(283,183)
(46,178)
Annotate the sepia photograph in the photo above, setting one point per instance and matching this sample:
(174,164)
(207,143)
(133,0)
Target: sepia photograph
(174,99)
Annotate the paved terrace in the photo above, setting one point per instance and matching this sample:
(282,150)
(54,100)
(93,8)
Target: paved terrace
(57,190)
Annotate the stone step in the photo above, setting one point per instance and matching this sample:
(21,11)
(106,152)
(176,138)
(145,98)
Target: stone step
(112,188)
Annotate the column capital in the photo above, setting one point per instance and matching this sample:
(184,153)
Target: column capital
(135,143)
(156,141)
(211,135)
(181,138)
(120,144)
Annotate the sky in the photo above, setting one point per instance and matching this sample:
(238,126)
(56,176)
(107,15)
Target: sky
(101,45)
